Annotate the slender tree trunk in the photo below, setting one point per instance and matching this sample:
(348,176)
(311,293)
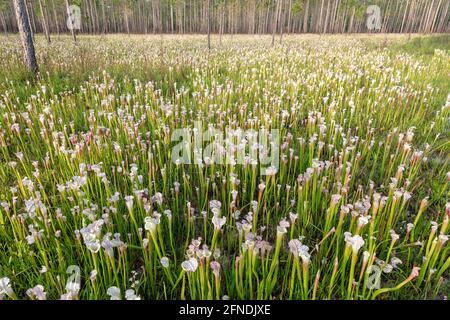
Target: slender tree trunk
(350,28)
(104,23)
(97,23)
(434,20)
(209,24)
(441,25)
(114,23)
(221,24)
(404,17)
(127,19)
(327,15)
(281,19)
(275,22)
(25,35)
(305,18)
(91,16)
(30,13)
(289,17)
(428,16)
(55,17)
(154,26)
(319,21)
(171,17)
(5,28)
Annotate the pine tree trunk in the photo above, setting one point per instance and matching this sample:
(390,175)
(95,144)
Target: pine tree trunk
(305,18)
(55,17)
(30,13)
(404,17)
(319,21)
(97,23)
(44,23)
(434,20)
(25,35)
(104,17)
(350,28)
(5,28)
(327,15)
(289,17)
(127,23)
(281,19)
(209,24)
(275,23)
(91,15)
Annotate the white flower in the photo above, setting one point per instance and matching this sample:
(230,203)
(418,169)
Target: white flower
(93,246)
(168,214)
(415,272)
(363,220)
(271,171)
(406,196)
(218,222)
(394,236)
(114,293)
(72,289)
(30,239)
(335,198)
(93,275)
(73,286)
(215,204)
(130,295)
(434,226)
(90,235)
(395,262)
(67,296)
(387,268)
(281,230)
(150,224)
(293,246)
(262,186)
(293,217)
(158,198)
(284,223)
(165,262)
(299,250)
(366,256)
(129,202)
(37,293)
(443,239)
(5,287)
(356,242)
(215,267)
(190,265)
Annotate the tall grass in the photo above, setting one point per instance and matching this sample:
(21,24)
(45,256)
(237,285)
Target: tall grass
(358,208)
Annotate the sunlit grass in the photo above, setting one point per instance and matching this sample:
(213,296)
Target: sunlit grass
(88,178)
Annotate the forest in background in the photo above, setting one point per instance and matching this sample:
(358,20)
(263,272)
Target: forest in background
(231,16)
